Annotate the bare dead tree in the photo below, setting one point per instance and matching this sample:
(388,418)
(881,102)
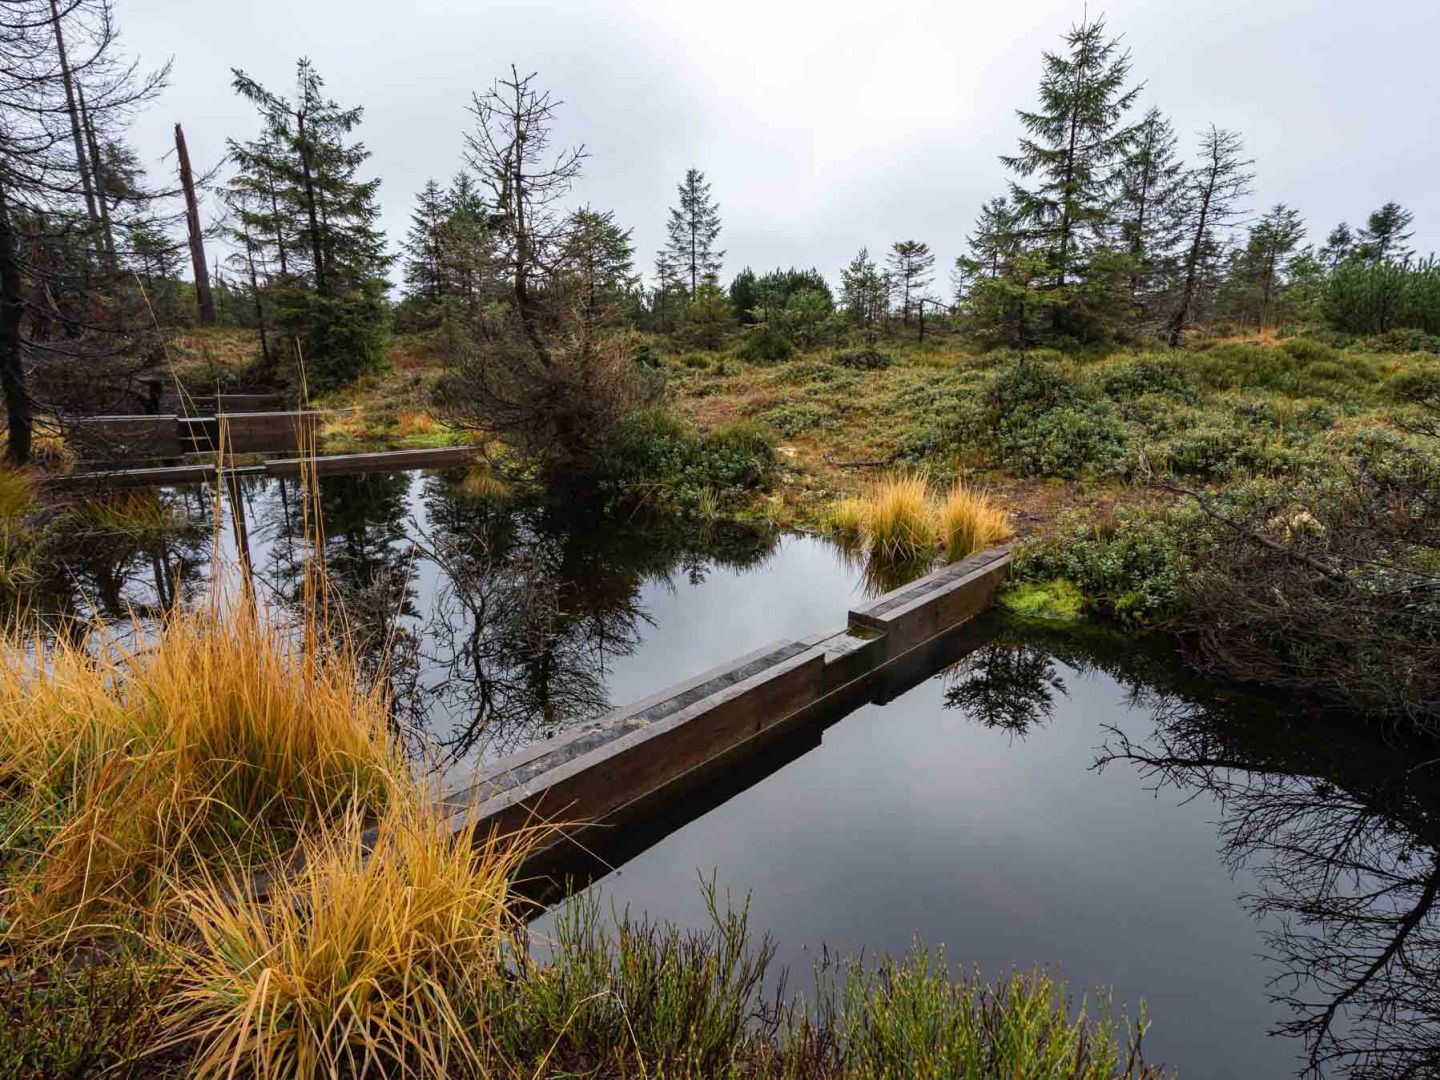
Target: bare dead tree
(66,95)
(1212,194)
(509,150)
(204,298)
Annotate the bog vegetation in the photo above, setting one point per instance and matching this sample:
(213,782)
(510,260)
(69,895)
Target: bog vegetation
(1198,416)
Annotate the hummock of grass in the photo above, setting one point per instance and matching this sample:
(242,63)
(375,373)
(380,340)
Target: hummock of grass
(968,521)
(131,761)
(373,959)
(899,519)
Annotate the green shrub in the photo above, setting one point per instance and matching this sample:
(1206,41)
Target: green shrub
(793,418)
(862,359)
(653,447)
(1404,340)
(1308,350)
(1129,569)
(1148,375)
(764,345)
(1298,367)
(1040,421)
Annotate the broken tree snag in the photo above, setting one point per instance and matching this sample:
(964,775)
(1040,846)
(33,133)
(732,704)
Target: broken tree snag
(203,296)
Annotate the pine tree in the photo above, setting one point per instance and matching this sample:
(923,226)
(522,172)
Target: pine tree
(1213,190)
(1383,238)
(1073,142)
(742,296)
(1147,211)
(911,264)
(693,229)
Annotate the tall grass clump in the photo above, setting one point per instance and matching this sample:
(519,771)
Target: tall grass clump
(17,494)
(969,521)
(376,958)
(129,760)
(898,522)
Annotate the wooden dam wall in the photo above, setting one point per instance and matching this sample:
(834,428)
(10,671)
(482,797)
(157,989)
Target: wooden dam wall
(610,770)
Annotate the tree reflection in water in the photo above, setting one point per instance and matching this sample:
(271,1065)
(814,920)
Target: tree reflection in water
(1337,821)
(1005,684)
(496,623)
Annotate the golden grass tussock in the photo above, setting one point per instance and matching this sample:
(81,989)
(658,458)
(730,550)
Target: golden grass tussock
(372,959)
(848,518)
(17,493)
(134,759)
(898,519)
(968,520)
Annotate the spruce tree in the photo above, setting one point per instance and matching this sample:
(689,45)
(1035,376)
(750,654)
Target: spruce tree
(911,264)
(1383,238)
(423,245)
(1073,142)
(324,218)
(1259,270)
(469,270)
(693,229)
(1147,211)
(598,251)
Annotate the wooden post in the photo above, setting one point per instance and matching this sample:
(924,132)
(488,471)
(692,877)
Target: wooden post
(203,296)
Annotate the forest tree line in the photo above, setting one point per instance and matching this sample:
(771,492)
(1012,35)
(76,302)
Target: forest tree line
(1108,229)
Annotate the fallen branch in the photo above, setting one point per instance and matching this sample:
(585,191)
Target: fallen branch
(877,464)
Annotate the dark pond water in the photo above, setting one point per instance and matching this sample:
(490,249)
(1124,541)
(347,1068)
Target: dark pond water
(1043,798)
(1074,802)
(502,626)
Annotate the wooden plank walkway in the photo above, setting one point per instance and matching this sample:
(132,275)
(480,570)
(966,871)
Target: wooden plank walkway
(439,457)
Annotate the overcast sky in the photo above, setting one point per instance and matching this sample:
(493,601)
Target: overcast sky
(822,126)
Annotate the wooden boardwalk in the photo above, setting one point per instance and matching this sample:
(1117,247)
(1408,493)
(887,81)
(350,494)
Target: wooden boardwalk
(440,457)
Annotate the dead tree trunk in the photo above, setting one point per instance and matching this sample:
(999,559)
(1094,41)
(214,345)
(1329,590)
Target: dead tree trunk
(18,411)
(97,173)
(82,166)
(204,298)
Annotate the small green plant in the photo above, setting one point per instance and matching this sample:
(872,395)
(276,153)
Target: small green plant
(863,359)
